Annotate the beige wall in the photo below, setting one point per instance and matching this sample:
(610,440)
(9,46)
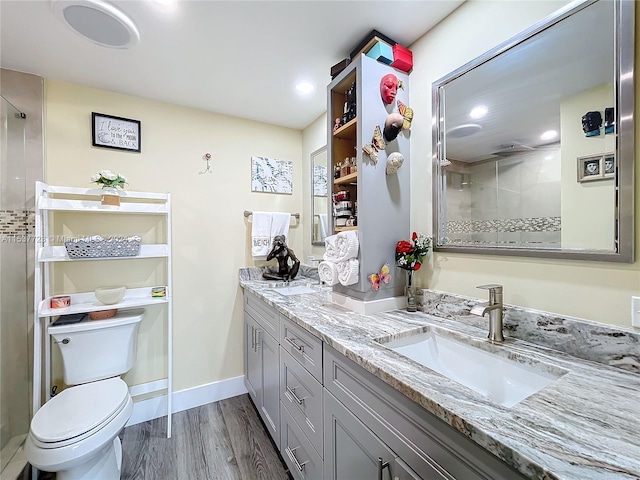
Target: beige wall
(313,138)
(210,234)
(588,208)
(590,290)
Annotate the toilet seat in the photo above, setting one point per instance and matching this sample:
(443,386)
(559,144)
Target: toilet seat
(78,412)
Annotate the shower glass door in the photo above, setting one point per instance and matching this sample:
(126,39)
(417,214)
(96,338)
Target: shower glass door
(14,306)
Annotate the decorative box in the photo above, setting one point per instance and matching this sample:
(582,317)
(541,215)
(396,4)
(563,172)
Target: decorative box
(339,67)
(381,52)
(367,42)
(402,58)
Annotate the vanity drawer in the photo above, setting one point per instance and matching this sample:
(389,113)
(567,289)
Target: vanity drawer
(301,394)
(267,316)
(302,459)
(303,346)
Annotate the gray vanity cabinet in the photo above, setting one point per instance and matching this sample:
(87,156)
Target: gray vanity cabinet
(262,362)
(423,446)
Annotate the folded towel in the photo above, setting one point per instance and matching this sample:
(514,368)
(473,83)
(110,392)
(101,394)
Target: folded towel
(328,273)
(348,271)
(280,225)
(330,248)
(345,247)
(260,234)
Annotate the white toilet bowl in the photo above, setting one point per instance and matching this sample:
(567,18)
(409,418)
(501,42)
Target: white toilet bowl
(76,433)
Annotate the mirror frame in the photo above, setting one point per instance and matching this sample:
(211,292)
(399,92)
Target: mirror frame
(624,94)
(311,158)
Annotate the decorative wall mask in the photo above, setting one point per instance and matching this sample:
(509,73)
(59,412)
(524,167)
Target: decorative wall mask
(377,278)
(377,144)
(394,162)
(389,88)
(407,113)
(591,123)
(392,126)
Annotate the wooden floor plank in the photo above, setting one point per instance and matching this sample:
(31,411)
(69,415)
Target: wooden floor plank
(225,440)
(255,454)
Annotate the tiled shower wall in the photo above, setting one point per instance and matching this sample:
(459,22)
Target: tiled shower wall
(508,201)
(26,93)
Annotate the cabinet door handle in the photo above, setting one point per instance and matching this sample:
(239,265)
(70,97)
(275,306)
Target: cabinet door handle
(293,343)
(292,455)
(291,391)
(258,332)
(253,338)
(381,466)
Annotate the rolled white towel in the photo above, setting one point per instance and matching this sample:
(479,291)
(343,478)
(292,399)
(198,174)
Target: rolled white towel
(328,273)
(348,271)
(345,246)
(330,248)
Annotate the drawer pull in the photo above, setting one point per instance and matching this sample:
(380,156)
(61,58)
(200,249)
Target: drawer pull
(291,391)
(292,456)
(258,344)
(293,343)
(381,466)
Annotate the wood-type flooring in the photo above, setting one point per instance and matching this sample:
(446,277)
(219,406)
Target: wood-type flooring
(225,440)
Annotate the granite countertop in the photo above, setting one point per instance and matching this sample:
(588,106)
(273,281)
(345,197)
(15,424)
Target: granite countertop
(585,425)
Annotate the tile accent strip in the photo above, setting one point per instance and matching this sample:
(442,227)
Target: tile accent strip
(533,224)
(614,346)
(17,223)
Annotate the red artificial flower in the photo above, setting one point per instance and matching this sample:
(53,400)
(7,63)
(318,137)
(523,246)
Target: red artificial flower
(414,237)
(403,247)
(417,266)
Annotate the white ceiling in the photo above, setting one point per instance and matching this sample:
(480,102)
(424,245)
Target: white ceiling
(240,58)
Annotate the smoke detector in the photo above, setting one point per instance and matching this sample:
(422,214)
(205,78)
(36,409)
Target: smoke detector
(98,21)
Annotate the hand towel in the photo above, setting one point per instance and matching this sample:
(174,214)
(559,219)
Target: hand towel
(323,226)
(260,234)
(328,273)
(348,271)
(279,226)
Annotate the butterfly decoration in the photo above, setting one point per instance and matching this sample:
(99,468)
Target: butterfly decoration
(377,278)
(407,113)
(377,144)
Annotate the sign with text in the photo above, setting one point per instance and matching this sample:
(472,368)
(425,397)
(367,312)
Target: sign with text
(115,132)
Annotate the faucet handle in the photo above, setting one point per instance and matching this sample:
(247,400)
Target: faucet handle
(495,293)
(492,287)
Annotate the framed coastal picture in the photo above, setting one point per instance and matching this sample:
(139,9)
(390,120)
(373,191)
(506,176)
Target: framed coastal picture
(269,175)
(115,132)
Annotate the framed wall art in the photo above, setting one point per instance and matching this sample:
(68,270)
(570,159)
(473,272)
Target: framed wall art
(596,167)
(115,132)
(270,175)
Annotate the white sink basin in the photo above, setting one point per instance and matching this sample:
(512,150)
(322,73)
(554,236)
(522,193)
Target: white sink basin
(478,365)
(294,290)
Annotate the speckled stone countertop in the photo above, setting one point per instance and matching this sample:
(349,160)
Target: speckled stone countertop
(583,426)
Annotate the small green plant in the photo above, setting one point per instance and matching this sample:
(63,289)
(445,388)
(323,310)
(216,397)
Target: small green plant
(107,178)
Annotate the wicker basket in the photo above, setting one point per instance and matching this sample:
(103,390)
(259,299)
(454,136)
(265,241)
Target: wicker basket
(98,247)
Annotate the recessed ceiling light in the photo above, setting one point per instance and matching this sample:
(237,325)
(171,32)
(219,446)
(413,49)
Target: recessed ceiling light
(98,21)
(478,112)
(304,88)
(549,135)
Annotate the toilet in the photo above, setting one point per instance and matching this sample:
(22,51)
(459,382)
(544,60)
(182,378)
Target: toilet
(75,434)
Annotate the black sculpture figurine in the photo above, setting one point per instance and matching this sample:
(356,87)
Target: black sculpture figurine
(282,253)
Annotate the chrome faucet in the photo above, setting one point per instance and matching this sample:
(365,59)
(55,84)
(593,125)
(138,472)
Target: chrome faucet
(494,308)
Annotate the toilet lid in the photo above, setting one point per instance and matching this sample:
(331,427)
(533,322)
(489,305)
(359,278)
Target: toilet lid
(78,410)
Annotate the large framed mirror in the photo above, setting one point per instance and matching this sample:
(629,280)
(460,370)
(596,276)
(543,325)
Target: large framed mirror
(533,142)
(320,225)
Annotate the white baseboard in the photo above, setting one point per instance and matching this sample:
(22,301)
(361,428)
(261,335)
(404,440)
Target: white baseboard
(156,407)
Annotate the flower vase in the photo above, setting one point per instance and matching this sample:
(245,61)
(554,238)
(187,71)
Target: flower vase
(410,293)
(110,197)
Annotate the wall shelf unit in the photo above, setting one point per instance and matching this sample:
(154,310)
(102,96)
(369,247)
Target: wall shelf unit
(380,203)
(52,199)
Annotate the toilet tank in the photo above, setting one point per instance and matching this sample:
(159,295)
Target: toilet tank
(97,349)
